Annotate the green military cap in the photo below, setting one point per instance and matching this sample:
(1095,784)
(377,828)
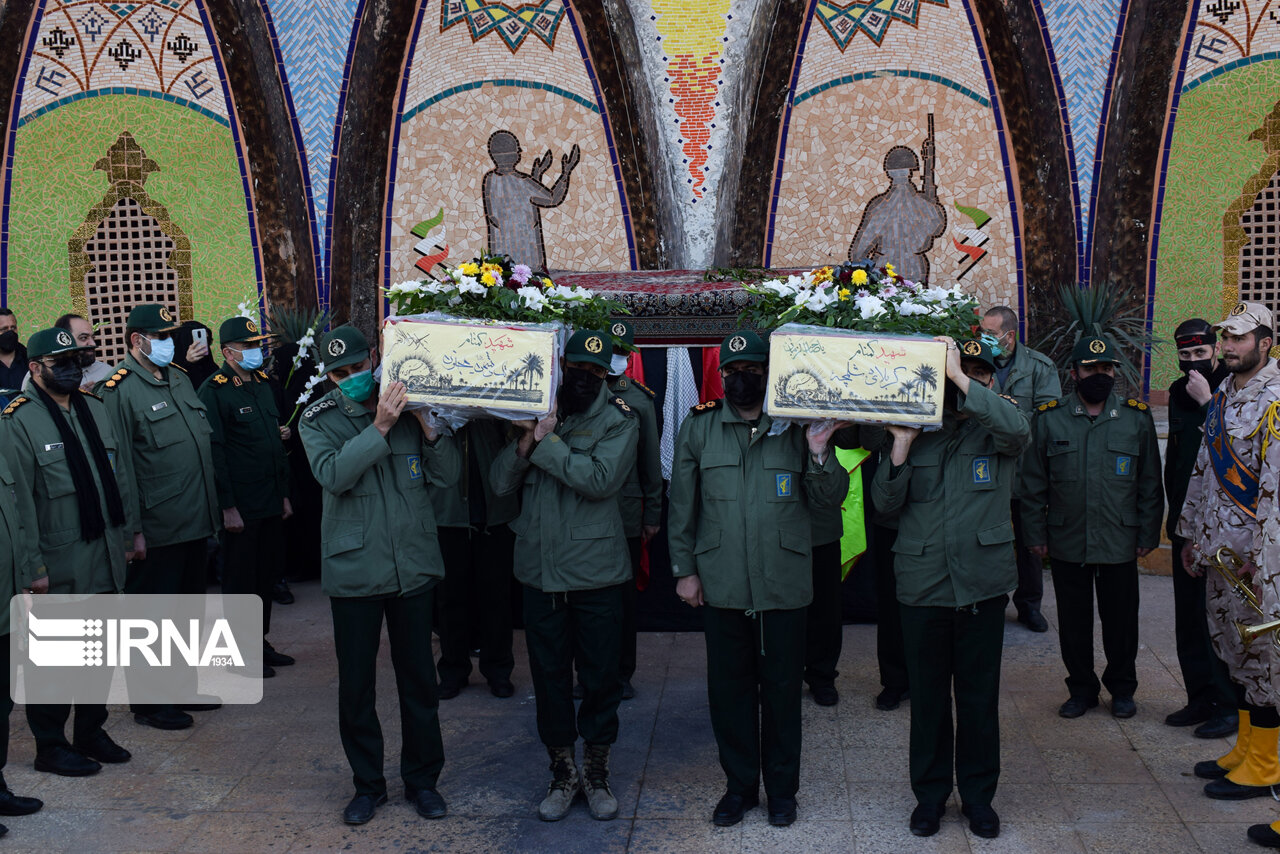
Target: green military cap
(743,346)
(624,335)
(589,345)
(344,346)
(239,329)
(977,350)
(52,342)
(152,317)
(1091,349)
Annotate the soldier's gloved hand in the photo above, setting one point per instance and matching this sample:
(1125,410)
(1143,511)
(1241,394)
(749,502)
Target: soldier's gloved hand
(689,589)
(390,405)
(231,520)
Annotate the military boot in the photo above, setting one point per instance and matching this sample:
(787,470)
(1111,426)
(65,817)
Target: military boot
(595,782)
(564,786)
(1214,768)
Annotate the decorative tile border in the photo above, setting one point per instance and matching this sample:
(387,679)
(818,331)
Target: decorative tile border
(124,90)
(519,84)
(891,72)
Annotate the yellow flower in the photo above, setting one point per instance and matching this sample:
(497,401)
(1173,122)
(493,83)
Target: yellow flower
(469,268)
(491,268)
(488,279)
(822,275)
(844,294)
(888,268)
(547,283)
(859,277)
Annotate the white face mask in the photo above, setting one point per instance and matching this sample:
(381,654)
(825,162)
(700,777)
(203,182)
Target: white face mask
(618,364)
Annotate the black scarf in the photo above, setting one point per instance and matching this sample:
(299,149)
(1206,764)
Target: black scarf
(92,525)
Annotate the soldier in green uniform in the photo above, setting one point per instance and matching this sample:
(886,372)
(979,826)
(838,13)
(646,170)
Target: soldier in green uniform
(20,571)
(571,557)
(167,473)
(740,517)
(950,490)
(1091,500)
(62,442)
(381,560)
(641,497)
(473,602)
(251,471)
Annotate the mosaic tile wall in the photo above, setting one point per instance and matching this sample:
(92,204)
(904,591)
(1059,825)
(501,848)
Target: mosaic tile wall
(854,99)
(1231,85)
(497,69)
(96,70)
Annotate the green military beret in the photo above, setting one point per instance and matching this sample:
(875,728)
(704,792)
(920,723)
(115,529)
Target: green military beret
(1091,349)
(239,329)
(589,345)
(52,342)
(977,350)
(743,346)
(152,317)
(624,335)
(344,346)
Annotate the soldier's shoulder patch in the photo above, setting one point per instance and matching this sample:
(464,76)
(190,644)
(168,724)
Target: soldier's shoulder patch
(623,406)
(13,405)
(644,388)
(114,380)
(1136,404)
(315,410)
(220,379)
(262,375)
(91,394)
(1045,407)
(704,408)
(1012,400)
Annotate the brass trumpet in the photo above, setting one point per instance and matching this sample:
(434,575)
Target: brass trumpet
(1229,563)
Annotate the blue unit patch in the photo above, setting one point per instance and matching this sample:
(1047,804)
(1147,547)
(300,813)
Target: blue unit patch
(784,485)
(415,467)
(1124,466)
(111,458)
(982,470)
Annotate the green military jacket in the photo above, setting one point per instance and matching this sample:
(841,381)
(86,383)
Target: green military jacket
(641,498)
(249,460)
(163,431)
(952,502)
(379,535)
(569,532)
(1032,381)
(1091,488)
(35,449)
(479,443)
(20,562)
(742,508)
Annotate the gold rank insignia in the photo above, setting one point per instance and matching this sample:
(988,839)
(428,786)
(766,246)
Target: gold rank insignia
(13,405)
(703,408)
(219,379)
(1045,406)
(116,377)
(1137,404)
(1012,400)
(622,405)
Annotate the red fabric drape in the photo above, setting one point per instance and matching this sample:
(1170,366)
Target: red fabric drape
(712,387)
(635,370)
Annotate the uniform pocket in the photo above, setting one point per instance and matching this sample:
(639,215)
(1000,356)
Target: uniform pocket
(55,472)
(720,476)
(1122,458)
(926,470)
(800,542)
(908,546)
(165,426)
(154,491)
(707,541)
(344,538)
(1064,460)
(996,534)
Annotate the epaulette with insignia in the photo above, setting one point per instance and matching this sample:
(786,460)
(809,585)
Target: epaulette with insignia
(704,408)
(179,367)
(13,405)
(644,388)
(318,408)
(1137,404)
(622,405)
(220,379)
(115,378)
(1045,406)
(262,375)
(1012,400)
(91,394)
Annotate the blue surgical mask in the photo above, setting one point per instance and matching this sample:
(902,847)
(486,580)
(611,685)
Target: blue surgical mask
(994,343)
(251,360)
(161,352)
(618,364)
(358,387)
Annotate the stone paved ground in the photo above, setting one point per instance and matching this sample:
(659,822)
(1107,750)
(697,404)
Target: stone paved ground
(272,777)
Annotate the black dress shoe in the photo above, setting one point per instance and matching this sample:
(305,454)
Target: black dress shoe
(1210,770)
(733,807)
(427,802)
(282,595)
(1034,621)
(782,811)
(1077,706)
(66,762)
(268,672)
(450,688)
(1218,727)
(824,695)
(275,659)
(1123,707)
(166,718)
(926,819)
(362,808)
(11,804)
(1264,835)
(628,692)
(501,688)
(983,820)
(1191,713)
(1223,789)
(890,698)
(99,746)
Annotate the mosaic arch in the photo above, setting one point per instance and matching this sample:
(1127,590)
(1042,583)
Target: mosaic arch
(1218,210)
(112,96)
(894,149)
(486,83)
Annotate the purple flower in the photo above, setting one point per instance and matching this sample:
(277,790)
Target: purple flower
(520,274)
(888,290)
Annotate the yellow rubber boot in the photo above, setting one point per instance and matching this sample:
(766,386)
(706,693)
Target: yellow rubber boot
(1214,768)
(1257,774)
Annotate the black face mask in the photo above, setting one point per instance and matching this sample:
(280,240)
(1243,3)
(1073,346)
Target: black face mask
(744,390)
(578,390)
(62,379)
(8,341)
(1095,387)
(1204,366)
(85,358)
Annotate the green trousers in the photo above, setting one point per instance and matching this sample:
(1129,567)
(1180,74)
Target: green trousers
(357,630)
(960,648)
(755,667)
